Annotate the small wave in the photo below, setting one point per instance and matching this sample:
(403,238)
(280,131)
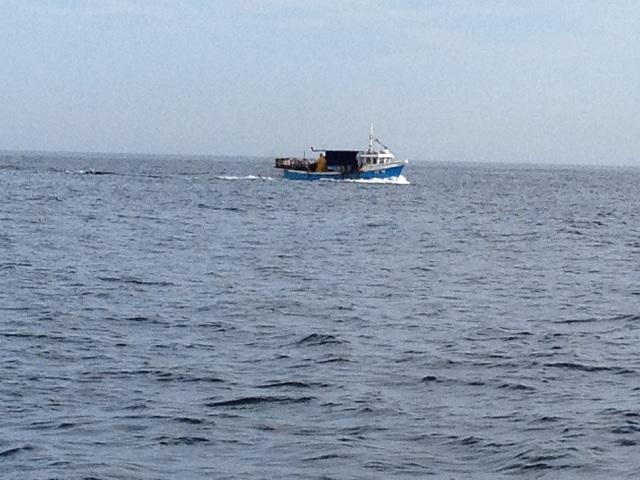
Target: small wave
(182,440)
(618,318)
(136,319)
(335,360)
(517,386)
(14,451)
(328,456)
(380,466)
(530,461)
(466,441)
(189,420)
(527,467)
(589,368)
(626,442)
(27,335)
(66,425)
(546,419)
(285,384)
(245,177)
(135,281)
(318,339)
(11,167)
(251,401)
(625,429)
(227,209)
(90,171)
(14,265)
(162,376)
(169,377)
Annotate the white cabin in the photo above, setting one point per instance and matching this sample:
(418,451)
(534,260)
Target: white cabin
(373,157)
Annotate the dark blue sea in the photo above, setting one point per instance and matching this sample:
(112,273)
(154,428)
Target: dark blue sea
(201,318)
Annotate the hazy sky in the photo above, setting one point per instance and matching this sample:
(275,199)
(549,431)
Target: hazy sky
(455,80)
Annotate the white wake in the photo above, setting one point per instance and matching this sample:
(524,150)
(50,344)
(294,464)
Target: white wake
(245,177)
(400,180)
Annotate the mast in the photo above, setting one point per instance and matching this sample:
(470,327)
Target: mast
(371,137)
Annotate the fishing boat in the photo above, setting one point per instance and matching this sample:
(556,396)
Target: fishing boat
(344,164)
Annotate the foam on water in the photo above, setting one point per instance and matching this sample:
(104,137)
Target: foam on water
(244,177)
(400,180)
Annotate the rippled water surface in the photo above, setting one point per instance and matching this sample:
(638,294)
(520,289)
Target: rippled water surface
(202,318)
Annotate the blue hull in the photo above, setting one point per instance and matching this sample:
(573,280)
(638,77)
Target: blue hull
(390,172)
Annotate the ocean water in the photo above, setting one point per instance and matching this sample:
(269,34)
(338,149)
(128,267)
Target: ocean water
(202,318)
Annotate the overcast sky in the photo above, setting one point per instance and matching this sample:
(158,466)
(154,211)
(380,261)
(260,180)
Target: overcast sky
(456,80)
